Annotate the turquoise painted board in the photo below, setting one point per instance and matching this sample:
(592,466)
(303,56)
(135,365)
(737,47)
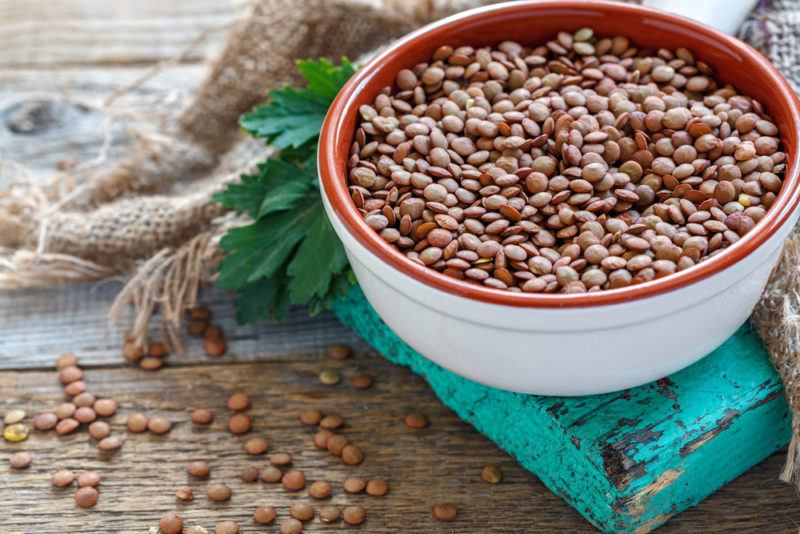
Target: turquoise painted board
(626,461)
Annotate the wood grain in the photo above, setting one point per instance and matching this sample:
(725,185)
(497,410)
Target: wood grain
(441,463)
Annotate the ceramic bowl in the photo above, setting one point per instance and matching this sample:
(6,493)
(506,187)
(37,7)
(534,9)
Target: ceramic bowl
(563,344)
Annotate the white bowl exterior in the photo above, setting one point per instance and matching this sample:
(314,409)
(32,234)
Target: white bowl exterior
(564,351)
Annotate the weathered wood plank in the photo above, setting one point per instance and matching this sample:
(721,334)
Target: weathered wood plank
(441,463)
(91,32)
(37,325)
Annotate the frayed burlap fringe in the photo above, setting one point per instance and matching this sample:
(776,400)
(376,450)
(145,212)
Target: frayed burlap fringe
(148,216)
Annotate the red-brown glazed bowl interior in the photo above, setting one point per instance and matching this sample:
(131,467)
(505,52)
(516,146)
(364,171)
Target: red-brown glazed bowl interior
(534,23)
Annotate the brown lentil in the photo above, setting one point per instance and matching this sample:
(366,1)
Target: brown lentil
(86,497)
(321,439)
(226,527)
(85,415)
(137,423)
(88,478)
(202,416)
(354,515)
(355,484)
(340,352)
(256,446)
(377,488)
(66,426)
(329,514)
(111,443)
(45,421)
(264,514)
(320,489)
(105,407)
(159,425)
(492,474)
(185,493)
(416,421)
(363,381)
(84,399)
(157,349)
(249,474)
(199,313)
(352,455)
(170,524)
(66,360)
(151,364)
(75,388)
(239,423)
(198,468)
(219,492)
(197,328)
(213,331)
(20,460)
(336,444)
(310,417)
(64,410)
(291,526)
(238,402)
(215,347)
(280,458)
(553,176)
(270,474)
(294,480)
(62,478)
(132,351)
(445,512)
(331,422)
(302,511)
(70,374)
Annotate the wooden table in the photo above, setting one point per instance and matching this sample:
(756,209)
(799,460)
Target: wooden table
(81,49)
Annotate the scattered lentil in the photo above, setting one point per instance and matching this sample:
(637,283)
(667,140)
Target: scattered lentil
(310,417)
(199,313)
(170,524)
(202,416)
(83,399)
(88,478)
(301,511)
(197,328)
(111,443)
(63,478)
(321,439)
(219,492)
(331,422)
(157,349)
(215,347)
(14,416)
(238,402)
(86,497)
(256,445)
(249,474)
(362,381)
(280,458)
(354,515)
(270,474)
(264,514)
(132,351)
(294,480)
(45,421)
(291,526)
(71,373)
(329,377)
(213,332)
(352,455)
(137,423)
(105,407)
(340,352)
(415,421)
(67,426)
(198,468)
(75,388)
(239,423)
(66,360)
(329,514)
(159,425)
(320,489)
(185,493)
(84,414)
(355,484)
(377,488)
(336,444)
(20,460)
(151,364)
(492,474)
(445,512)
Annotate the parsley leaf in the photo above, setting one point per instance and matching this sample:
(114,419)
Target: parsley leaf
(289,253)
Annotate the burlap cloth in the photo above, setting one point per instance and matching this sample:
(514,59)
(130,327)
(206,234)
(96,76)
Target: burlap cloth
(148,216)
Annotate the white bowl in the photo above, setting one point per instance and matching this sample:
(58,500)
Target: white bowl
(563,344)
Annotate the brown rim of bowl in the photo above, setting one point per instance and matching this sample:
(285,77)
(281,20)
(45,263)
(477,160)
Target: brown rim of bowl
(334,150)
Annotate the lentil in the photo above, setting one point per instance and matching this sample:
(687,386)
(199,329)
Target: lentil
(157,349)
(86,497)
(137,423)
(249,474)
(355,484)
(111,443)
(132,352)
(331,422)
(69,374)
(159,425)
(219,492)
(561,172)
(320,489)
(45,421)
(64,410)
(239,423)
(151,364)
(238,402)
(321,439)
(340,352)
(88,478)
(310,417)
(301,511)
(270,474)
(75,388)
(329,514)
(264,514)
(445,512)
(85,414)
(354,515)
(226,527)
(185,493)
(84,399)
(105,407)
(294,480)
(280,458)
(20,460)
(66,360)
(330,377)
(170,524)
(492,474)
(352,455)
(63,478)
(291,526)
(415,421)
(377,488)
(213,331)
(363,381)
(198,468)
(67,426)
(215,347)
(256,446)
(14,416)
(336,444)
(202,416)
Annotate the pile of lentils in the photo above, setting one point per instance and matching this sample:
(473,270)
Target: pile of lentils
(580,165)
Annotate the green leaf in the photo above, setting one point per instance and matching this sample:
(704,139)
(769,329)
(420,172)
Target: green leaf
(255,300)
(318,258)
(325,78)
